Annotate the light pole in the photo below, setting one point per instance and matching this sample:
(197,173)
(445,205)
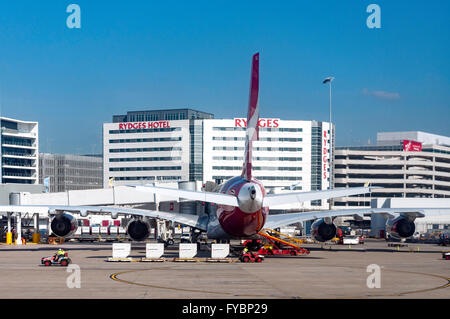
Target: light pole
(329,80)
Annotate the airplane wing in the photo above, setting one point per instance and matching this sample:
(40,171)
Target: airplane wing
(275,221)
(185,219)
(218,198)
(299,197)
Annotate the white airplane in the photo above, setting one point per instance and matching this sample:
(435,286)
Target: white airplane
(242,202)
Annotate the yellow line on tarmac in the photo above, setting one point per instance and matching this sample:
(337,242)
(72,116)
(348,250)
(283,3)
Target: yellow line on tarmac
(115,277)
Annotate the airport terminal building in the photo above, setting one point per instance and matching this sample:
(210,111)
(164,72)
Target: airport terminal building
(153,146)
(19,151)
(70,172)
(188,145)
(404,164)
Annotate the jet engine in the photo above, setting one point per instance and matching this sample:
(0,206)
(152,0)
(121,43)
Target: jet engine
(400,227)
(323,230)
(64,225)
(138,229)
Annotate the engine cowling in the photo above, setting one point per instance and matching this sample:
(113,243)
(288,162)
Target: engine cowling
(323,231)
(400,227)
(64,225)
(138,229)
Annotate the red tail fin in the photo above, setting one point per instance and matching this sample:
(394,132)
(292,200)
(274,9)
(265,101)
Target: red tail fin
(252,119)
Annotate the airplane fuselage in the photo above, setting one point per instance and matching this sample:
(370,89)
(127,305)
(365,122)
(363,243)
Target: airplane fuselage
(249,217)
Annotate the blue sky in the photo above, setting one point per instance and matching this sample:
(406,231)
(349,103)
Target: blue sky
(136,55)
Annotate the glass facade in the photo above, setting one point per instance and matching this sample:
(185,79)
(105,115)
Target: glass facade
(257,158)
(145,159)
(19,147)
(196,148)
(71,172)
(161,115)
(145,149)
(262,139)
(316,159)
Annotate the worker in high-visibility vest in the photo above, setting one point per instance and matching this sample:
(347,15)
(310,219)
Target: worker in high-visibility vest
(245,250)
(60,253)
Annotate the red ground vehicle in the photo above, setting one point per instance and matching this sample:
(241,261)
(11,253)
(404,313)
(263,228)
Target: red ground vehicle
(446,255)
(63,261)
(251,257)
(280,244)
(272,244)
(282,251)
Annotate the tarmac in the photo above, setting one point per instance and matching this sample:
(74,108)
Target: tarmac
(331,271)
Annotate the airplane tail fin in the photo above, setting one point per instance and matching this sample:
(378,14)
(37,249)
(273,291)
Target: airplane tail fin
(252,119)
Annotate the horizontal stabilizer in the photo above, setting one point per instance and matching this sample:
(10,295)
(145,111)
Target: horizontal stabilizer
(300,197)
(280,220)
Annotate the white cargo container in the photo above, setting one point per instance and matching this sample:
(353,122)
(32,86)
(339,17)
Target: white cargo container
(104,230)
(154,250)
(220,250)
(351,240)
(121,250)
(187,250)
(113,230)
(85,230)
(95,229)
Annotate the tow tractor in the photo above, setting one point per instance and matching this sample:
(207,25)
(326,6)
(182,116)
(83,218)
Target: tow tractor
(276,244)
(446,255)
(63,261)
(250,257)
